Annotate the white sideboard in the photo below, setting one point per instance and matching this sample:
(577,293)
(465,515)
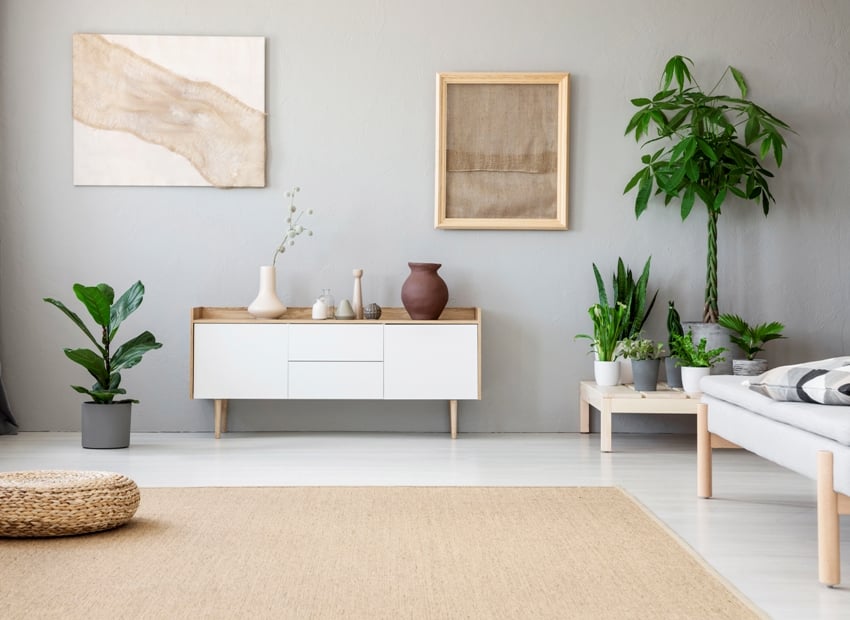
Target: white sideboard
(234,355)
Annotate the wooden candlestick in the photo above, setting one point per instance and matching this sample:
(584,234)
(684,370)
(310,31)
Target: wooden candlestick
(357,297)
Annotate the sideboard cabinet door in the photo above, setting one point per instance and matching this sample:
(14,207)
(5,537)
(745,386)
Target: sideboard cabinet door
(431,362)
(240,360)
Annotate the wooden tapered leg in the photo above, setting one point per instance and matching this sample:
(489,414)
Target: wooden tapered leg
(453,417)
(224,405)
(605,426)
(703,452)
(218,405)
(829,555)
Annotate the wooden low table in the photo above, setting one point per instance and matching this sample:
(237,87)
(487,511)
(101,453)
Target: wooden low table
(625,399)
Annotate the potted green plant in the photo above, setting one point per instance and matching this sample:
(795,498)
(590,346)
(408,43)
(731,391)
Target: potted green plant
(106,421)
(607,325)
(695,360)
(645,355)
(706,146)
(751,339)
(674,328)
(632,294)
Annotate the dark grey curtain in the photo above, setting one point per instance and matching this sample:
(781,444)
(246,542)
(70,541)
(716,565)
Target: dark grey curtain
(8,425)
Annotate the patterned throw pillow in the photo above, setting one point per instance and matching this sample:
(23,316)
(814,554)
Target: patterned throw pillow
(825,382)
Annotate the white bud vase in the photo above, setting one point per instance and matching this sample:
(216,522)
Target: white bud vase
(267,305)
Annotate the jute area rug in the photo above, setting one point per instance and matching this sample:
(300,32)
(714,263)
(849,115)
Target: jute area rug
(369,552)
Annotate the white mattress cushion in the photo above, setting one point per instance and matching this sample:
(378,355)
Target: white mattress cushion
(829,421)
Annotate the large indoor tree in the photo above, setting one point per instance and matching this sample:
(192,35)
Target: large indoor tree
(711,146)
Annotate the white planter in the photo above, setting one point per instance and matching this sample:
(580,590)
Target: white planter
(606,373)
(691,376)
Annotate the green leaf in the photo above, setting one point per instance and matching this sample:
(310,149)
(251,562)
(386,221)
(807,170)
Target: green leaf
(751,130)
(705,147)
(634,180)
(76,320)
(687,202)
(765,147)
(125,306)
(739,79)
(130,353)
(91,361)
(644,191)
(97,300)
(719,200)
(600,287)
(641,101)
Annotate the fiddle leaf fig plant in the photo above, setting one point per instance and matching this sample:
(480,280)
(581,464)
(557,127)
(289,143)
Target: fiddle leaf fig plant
(103,363)
(705,145)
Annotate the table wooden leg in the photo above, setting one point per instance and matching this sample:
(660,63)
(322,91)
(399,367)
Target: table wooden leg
(453,417)
(605,426)
(224,406)
(583,415)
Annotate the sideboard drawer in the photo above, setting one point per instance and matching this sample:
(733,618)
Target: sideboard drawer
(347,380)
(340,343)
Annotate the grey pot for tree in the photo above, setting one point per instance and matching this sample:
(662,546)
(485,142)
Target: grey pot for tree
(106,426)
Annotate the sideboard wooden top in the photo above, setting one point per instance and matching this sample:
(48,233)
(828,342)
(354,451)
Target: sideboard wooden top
(207,314)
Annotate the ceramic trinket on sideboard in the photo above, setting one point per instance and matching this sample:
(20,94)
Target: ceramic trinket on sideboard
(372,312)
(344,311)
(320,310)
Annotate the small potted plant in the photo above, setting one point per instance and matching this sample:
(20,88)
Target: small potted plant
(671,362)
(106,421)
(694,359)
(633,294)
(751,339)
(645,355)
(607,326)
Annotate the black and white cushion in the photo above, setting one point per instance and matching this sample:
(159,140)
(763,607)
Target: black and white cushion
(825,382)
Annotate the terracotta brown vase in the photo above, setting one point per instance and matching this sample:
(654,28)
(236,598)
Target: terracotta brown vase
(424,293)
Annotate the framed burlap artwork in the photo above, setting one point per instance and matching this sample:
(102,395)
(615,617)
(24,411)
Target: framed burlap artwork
(502,150)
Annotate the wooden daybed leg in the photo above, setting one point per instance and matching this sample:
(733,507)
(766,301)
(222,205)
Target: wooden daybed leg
(829,555)
(703,452)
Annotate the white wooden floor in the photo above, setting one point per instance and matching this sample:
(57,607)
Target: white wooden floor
(759,531)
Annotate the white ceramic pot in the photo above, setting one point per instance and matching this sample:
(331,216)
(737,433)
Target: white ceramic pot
(691,376)
(606,373)
(267,305)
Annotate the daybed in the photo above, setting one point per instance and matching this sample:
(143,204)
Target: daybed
(809,438)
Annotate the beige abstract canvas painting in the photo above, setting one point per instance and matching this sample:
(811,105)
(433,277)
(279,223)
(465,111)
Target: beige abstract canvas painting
(169,110)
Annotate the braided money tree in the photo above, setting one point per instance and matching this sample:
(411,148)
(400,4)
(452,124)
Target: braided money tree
(706,152)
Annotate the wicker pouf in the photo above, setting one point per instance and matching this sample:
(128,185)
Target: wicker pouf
(63,503)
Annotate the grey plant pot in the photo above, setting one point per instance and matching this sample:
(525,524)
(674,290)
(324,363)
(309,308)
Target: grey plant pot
(106,426)
(749,368)
(645,373)
(673,372)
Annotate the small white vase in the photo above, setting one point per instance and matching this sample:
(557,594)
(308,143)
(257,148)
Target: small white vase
(267,305)
(606,373)
(691,376)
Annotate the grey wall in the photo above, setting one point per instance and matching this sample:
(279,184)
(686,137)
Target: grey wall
(350,98)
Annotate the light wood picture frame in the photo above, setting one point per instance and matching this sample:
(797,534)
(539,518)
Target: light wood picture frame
(502,158)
